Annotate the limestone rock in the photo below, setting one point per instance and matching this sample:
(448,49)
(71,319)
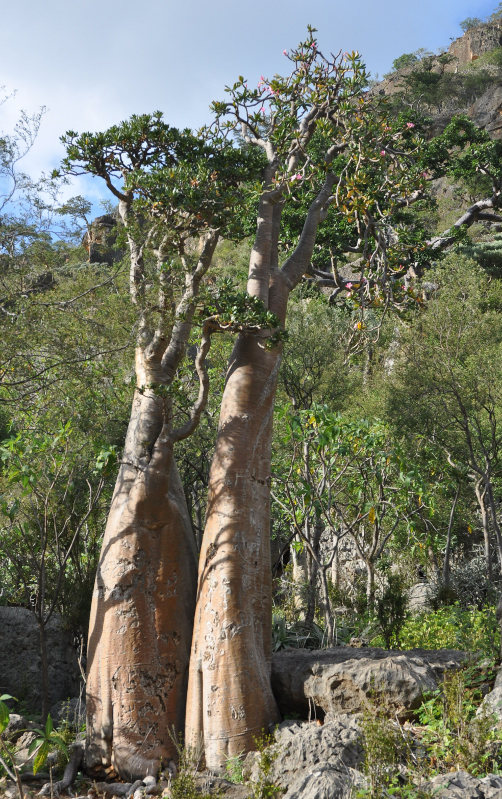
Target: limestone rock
(70,711)
(418,597)
(315,760)
(22,755)
(492,703)
(476,41)
(16,727)
(324,782)
(343,679)
(100,240)
(487,111)
(19,644)
(461,785)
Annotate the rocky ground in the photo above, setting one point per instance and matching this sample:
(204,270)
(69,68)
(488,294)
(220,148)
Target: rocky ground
(317,754)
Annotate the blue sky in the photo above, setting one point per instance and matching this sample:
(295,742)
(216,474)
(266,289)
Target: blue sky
(95,62)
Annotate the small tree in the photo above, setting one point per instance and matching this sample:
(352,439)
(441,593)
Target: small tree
(47,510)
(469,23)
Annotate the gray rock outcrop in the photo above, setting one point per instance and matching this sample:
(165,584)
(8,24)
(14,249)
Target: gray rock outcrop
(492,703)
(316,761)
(20,665)
(100,240)
(461,785)
(342,680)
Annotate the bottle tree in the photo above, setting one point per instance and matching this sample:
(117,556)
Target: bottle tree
(173,189)
(333,162)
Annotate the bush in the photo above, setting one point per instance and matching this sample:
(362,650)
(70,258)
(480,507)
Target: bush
(405,60)
(454,627)
(454,735)
(391,610)
(469,23)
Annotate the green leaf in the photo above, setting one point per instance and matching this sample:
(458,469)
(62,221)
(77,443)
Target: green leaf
(48,726)
(41,756)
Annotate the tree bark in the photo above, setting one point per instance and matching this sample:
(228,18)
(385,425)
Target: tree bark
(480,491)
(143,602)
(230,699)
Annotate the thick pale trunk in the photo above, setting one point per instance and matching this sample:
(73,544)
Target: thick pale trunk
(143,604)
(230,699)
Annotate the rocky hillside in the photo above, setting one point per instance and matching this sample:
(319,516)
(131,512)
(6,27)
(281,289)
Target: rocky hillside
(466,78)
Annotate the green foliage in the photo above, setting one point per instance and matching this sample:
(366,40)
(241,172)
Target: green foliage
(235,311)
(391,610)
(233,769)
(405,60)
(452,627)
(7,760)
(263,787)
(294,634)
(495,16)
(488,253)
(182,181)
(384,749)
(185,784)
(469,23)
(453,734)
(48,740)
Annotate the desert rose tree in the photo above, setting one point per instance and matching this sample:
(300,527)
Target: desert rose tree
(332,160)
(173,189)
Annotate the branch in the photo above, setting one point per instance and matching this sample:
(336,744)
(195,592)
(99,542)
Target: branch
(298,262)
(186,307)
(208,328)
(471,215)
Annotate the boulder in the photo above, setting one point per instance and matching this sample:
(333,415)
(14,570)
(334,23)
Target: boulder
(70,711)
(314,760)
(492,703)
(22,754)
(324,782)
(418,598)
(19,644)
(461,785)
(342,680)
(16,727)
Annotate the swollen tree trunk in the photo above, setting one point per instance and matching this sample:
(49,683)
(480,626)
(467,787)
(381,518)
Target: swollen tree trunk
(230,699)
(144,596)
(143,604)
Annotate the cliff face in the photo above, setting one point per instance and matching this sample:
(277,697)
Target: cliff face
(484,107)
(100,240)
(475,42)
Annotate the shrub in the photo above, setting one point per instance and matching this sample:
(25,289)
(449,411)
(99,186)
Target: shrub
(469,23)
(391,610)
(454,736)
(454,627)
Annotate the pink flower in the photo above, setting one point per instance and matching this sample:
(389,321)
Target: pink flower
(262,109)
(299,176)
(348,285)
(410,125)
(382,152)
(284,52)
